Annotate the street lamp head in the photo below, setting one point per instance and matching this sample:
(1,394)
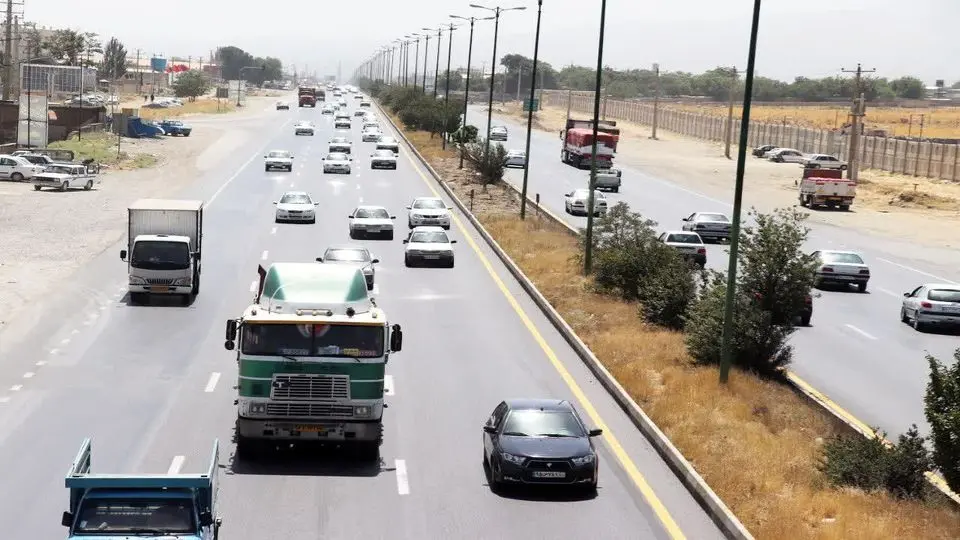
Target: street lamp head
(518,8)
(478,6)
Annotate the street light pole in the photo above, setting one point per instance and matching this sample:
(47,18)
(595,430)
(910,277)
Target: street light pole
(588,256)
(466,90)
(493,66)
(436,70)
(416,61)
(426,47)
(446,95)
(726,346)
(533,86)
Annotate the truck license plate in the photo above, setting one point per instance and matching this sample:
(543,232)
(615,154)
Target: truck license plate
(311,429)
(159,288)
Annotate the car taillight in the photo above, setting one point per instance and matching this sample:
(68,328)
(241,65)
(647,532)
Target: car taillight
(701,251)
(826,269)
(865,272)
(926,305)
(808,299)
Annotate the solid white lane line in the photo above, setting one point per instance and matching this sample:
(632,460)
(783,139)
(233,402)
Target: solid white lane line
(253,286)
(263,256)
(403,485)
(16,388)
(28,375)
(921,272)
(859,331)
(212,382)
(885,291)
(176,464)
(41,363)
(388,385)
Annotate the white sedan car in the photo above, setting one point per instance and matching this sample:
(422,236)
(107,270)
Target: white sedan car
(296,206)
(383,159)
(278,159)
(337,162)
(428,211)
(388,143)
(428,245)
(303,128)
(371,134)
(842,268)
(786,155)
(933,304)
(516,158)
(577,200)
(340,144)
(371,220)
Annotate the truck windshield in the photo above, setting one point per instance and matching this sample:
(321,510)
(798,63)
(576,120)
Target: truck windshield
(160,255)
(334,340)
(106,517)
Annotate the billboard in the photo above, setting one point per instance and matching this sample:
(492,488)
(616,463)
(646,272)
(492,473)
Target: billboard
(32,127)
(158,64)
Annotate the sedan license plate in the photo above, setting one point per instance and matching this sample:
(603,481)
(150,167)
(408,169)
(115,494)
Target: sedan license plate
(549,474)
(373,229)
(431,257)
(951,309)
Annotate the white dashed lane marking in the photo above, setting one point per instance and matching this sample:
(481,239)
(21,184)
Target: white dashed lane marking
(212,382)
(388,388)
(859,331)
(403,484)
(175,465)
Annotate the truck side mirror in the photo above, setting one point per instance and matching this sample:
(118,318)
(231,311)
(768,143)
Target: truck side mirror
(375,261)
(396,338)
(206,518)
(231,333)
(67,519)
(123,255)
(196,255)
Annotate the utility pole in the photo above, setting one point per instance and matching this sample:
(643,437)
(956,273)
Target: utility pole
(519,76)
(569,102)
(8,62)
(856,113)
(656,103)
(139,75)
(733,91)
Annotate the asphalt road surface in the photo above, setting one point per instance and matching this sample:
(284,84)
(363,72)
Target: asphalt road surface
(856,350)
(154,386)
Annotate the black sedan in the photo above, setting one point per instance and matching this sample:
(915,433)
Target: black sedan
(539,441)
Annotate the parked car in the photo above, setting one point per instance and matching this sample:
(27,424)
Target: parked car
(823,161)
(786,155)
(175,127)
(761,150)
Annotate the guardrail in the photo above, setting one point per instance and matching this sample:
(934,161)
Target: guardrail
(689,477)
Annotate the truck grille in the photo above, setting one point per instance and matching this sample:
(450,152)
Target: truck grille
(310,387)
(158,281)
(303,410)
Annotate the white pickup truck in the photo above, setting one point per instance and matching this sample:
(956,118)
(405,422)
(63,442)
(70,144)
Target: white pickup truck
(64,176)
(608,179)
(826,187)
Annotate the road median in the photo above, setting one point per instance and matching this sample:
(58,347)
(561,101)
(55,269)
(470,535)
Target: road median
(756,443)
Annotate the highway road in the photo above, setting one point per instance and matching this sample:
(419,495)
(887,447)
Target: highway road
(856,350)
(154,386)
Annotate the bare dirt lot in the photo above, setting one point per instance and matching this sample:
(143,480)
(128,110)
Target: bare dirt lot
(917,210)
(48,235)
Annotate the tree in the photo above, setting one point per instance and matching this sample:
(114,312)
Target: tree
(488,165)
(91,45)
(632,263)
(66,46)
(114,62)
(231,60)
(456,82)
(942,409)
(908,87)
(191,84)
(520,66)
(272,71)
(33,44)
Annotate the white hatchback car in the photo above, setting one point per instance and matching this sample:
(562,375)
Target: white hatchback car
(296,206)
(428,245)
(932,304)
(428,211)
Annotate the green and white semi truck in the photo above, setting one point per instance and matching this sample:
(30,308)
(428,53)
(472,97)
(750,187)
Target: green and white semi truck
(313,349)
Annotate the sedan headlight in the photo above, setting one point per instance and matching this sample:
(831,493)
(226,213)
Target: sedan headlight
(516,460)
(583,460)
(362,411)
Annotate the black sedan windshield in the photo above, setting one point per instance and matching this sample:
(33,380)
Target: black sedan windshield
(536,423)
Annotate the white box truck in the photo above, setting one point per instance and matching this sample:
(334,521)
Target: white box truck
(163,248)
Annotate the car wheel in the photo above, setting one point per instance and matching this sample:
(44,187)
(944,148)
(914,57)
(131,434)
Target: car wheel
(861,287)
(16,177)
(407,262)
(917,325)
(903,316)
(389,235)
(266,168)
(805,319)
(409,224)
(451,263)
(616,189)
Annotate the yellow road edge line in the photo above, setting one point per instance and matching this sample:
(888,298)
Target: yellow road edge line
(629,466)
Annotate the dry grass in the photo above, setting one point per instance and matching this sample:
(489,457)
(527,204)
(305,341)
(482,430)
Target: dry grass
(943,122)
(755,442)
(200,106)
(102,148)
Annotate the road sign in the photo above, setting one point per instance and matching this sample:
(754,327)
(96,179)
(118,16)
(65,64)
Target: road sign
(536,104)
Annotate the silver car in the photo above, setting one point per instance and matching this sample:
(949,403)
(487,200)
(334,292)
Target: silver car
(709,225)
(371,220)
(428,245)
(843,268)
(933,304)
(498,133)
(296,206)
(303,128)
(337,162)
(516,158)
(576,202)
(688,244)
(353,255)
(388,143)
(383,159)
(608,179)
(278,159)
(340,144)
(371,135)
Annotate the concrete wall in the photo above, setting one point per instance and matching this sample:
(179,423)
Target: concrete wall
(927,159)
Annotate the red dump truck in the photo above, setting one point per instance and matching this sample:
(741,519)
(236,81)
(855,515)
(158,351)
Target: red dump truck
(577,139)
(307,96)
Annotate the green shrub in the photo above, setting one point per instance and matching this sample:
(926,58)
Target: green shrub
(942,408)
(489,165)
(867,463)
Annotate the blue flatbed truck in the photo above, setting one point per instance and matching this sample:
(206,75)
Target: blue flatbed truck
(121,507)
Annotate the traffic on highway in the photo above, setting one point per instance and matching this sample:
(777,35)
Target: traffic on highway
(365,365)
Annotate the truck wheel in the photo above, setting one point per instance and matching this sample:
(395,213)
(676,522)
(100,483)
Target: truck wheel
(247,448)
(369,452)
(845,207)
(138,298)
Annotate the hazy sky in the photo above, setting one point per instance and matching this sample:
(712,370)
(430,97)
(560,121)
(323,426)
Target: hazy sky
(814,38)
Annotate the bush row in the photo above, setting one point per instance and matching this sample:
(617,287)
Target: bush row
(773,286)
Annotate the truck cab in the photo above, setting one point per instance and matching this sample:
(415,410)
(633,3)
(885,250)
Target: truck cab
(122,506)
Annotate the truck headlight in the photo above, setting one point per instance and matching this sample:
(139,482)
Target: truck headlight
(134,280)
(258,408)
(179,282)
(362,411)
